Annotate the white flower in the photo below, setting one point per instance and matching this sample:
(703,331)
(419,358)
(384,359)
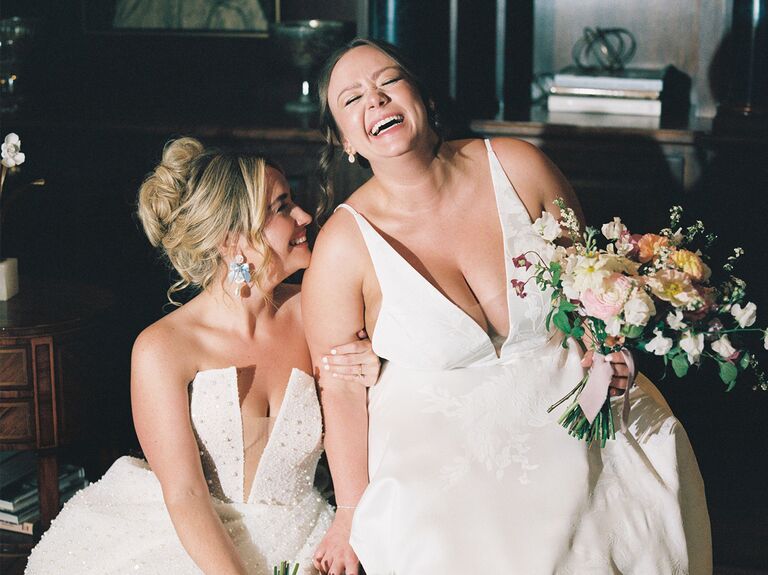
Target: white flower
(613,326)
(639,309)
(614,230)
(693,345)
(11,151)
(569,290)
(723,347)
(589,273)
(547,227)
(744,315)
(765,339)
(675,320)
(659,345)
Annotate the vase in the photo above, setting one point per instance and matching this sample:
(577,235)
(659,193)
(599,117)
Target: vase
(9,278)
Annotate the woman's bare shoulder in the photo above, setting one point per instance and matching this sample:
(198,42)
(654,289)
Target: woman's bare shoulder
(167,344)
(511,151)
(340,234)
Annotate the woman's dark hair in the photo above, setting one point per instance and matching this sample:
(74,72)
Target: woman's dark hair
(328,125)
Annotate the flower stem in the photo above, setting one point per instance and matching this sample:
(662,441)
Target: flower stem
(575,390)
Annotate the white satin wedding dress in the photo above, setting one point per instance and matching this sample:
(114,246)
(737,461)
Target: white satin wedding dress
(120,524)
(468,472)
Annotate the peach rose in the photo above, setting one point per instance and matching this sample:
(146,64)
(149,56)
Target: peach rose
(649,245)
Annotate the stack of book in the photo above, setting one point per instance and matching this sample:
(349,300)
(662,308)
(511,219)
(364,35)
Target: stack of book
(19,499)
(632,91)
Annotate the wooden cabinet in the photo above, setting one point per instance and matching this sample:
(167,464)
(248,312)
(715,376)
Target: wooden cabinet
(48,343)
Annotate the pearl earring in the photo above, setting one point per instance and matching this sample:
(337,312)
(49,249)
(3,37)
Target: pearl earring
(350,157)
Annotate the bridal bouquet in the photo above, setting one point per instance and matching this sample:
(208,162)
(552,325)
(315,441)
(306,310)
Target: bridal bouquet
(616,291)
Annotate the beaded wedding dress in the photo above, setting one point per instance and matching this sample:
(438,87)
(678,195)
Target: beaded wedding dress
(470,474)
(120,524)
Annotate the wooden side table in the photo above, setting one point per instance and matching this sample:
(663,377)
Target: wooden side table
(47,338)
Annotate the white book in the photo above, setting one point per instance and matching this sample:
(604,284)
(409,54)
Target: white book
(605,93)
(630,79)
(629,106)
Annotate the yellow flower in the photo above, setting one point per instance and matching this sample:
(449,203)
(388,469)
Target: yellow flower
(688,262)
(649,245)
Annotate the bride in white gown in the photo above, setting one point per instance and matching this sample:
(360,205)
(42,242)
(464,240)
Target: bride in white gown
(228,487)
(456,467)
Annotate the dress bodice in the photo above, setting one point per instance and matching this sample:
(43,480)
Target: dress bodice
(447,337)
(286,468)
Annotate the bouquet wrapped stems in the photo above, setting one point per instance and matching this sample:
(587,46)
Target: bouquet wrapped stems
(600,429)
(285,568)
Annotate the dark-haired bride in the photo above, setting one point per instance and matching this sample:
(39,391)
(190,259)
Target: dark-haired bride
(451,464)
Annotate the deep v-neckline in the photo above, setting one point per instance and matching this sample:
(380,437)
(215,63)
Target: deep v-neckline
(276,427)
(293,378)
(439,294)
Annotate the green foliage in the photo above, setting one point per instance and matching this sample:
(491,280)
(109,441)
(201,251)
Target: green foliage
(680,365)
(632,331)
(728,373)
(562,322)
(555,270)
(745,361)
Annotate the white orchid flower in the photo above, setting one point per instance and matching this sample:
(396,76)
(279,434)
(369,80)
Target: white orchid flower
(659,345)
(746,315)
(693,345)
(675,320)
(547,227)
(11,151)
(723,347)
(613,230)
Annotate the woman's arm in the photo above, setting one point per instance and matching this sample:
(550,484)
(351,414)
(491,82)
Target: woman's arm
(332,308)
(160,402)
(536,179)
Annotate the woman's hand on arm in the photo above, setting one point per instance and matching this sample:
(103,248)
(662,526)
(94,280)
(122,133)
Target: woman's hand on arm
(332,310)
(160,403)
(354,361)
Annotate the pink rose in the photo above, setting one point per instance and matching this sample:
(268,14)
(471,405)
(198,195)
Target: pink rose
(608,302)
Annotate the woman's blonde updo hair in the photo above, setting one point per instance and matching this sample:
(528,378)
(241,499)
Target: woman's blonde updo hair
(195,199)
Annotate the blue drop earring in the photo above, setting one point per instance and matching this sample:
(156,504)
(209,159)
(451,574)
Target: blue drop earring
(239,273)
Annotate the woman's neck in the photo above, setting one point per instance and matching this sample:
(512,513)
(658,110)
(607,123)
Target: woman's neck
(415,182)
(244,312)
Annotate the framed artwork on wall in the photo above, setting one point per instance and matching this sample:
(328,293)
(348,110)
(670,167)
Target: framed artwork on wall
(183,17)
